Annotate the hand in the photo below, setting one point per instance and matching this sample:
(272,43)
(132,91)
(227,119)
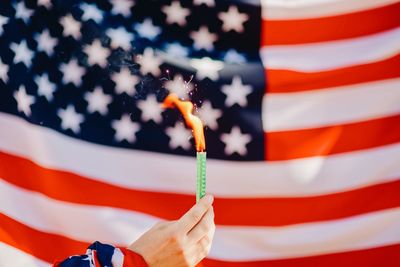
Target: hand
(184,242)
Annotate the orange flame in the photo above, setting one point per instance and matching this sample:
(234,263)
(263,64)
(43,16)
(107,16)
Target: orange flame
(192,121)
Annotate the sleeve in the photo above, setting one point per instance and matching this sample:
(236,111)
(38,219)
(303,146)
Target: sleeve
(101,255)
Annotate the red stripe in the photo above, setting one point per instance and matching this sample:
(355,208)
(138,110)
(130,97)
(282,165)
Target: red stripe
(281,32)
(49,247)
(332,140)
(285,81)
(69,187)
(45,246)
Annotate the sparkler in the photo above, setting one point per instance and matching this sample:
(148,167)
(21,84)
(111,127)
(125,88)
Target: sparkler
(192,121)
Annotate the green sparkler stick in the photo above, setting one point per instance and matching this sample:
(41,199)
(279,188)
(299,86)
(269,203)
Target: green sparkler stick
(201,175)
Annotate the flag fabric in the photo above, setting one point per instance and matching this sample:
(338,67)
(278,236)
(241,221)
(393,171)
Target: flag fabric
(301,100)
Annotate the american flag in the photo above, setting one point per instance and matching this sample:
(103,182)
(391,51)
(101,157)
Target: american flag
(302,105)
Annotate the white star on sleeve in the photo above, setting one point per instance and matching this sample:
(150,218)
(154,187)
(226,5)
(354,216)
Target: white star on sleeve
(46,3)
(209,3)
(46,42)
(70,119)
(45,87)
(97,54)
(151,109)
(3,21)
(233,19)
(122,7)
(125,82)
(22,12)
(3,71)
(24,101)
(72,72)
(71,27)
(178,86)
(203,39)
(98,101)
(209,115)
(206,68)
(125,129)
(236,93)
(235,141)
(149,62)
(22,53)
(147,29)
(91,12)
(120,38)
(179,136)
(176,13)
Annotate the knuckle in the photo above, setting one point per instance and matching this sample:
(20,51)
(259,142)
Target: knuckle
(196,215)
(206,228)
(176,240)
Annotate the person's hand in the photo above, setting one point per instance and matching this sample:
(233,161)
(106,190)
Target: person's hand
(184,242)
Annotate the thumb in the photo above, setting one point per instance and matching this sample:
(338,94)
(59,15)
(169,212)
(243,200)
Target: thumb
(194,215)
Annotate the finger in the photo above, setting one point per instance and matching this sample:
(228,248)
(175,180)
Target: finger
(205,225)
(194,215)
(203,247)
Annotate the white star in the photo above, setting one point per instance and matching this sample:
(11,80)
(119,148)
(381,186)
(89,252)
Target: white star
(125,82)
(72,72)
(71,27)
(179,136)
(178,86)
(209,3)
(122,7)
(206,67)
(232,56)
(125,129)
(46,43)
(176,13)
(3,21)
(22,12)
(147,29)
(236,92)
(151,109)
(45,87)
(203,39)
(235,141)
(149,62)
(120,38)
(4,71)
(70,119)
(97,54)
(91,12)
(233,19)
(209,115)
(46,3)
(176,50)
(22,53)
(24,101)
(97,101)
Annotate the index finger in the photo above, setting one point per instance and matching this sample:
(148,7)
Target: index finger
(194,215)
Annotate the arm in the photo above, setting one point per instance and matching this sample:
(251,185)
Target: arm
(181,243)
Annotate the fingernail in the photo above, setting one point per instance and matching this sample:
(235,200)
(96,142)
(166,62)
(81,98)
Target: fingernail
(209,199)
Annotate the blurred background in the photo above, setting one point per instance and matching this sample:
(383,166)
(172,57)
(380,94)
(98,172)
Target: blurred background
(301,102)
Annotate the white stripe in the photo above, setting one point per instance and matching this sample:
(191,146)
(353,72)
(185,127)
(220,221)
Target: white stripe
(119,227)
(306,9)
(12,257)
(167,173)
(334,54)
(332,106)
